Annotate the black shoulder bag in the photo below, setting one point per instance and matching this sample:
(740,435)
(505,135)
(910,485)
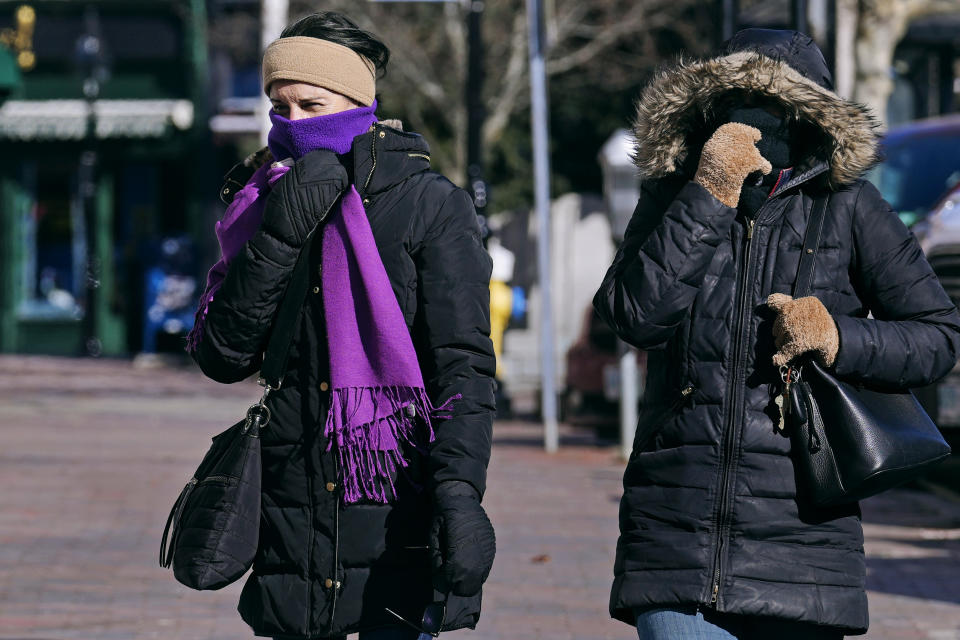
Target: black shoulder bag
(851,441)
(213,530)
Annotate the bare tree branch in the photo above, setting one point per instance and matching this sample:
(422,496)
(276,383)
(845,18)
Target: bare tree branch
(639,18)
(590,42)
(513,81)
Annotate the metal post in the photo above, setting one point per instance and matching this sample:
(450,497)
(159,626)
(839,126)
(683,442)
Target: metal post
(541,175)
(91,60)
(946,80)
(798,10)
(274,15)
(830,43)
(628,400)
(475,109)
(728,19)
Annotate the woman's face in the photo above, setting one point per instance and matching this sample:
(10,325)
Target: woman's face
(299,100)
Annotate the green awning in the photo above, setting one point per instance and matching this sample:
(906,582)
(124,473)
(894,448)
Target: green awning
(28,120)
(9,72)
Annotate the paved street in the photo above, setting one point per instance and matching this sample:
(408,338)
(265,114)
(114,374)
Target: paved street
(93,453)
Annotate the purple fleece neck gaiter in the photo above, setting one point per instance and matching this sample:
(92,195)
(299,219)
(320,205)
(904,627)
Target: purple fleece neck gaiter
(296,138)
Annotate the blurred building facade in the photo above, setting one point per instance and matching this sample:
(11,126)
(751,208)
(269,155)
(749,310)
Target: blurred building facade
(129,177)
(925,71)
(105,142)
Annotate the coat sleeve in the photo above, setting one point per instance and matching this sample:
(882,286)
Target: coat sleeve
(239,318)
(913,338)
(452,331)
(662,261)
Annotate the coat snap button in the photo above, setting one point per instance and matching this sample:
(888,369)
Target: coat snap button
(410,410)
(366,201)
(316,289)
(331,487)
(328,583)
(324,386)
(383,134)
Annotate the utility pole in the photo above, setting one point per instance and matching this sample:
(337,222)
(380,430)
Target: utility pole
(798,11)
(274,16)
(539,116)
(475,108)
(91,61)
(473,98)
(728,18)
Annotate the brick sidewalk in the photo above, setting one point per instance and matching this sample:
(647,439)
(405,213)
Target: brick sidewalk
(93,454)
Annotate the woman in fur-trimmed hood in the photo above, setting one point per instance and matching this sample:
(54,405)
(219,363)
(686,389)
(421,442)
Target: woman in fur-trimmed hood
(733,151)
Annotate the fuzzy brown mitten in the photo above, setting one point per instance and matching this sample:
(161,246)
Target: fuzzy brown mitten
(803,325)
(728,157)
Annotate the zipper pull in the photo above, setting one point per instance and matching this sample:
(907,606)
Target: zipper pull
(750,223)
(716,592)
(685,393)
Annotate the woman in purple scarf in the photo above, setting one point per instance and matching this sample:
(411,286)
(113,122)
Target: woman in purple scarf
(374,462)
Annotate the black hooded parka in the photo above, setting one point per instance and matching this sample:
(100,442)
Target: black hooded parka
(324,568)
(710,515)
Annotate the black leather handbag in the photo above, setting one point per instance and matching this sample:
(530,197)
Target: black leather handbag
(212,532)
(852,441)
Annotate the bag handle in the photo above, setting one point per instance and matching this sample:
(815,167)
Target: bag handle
(285,325)
(811,244)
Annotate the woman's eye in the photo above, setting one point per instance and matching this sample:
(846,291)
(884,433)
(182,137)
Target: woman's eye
(280,108)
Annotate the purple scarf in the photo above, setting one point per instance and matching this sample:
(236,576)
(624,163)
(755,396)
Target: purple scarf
(377,392)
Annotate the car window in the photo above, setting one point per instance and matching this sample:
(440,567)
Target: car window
(917,171)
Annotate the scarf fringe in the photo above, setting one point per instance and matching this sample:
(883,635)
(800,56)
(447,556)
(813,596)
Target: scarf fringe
(199,322)
(200,318)
(369,454)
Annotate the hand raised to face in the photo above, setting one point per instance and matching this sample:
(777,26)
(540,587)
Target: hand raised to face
(728,157)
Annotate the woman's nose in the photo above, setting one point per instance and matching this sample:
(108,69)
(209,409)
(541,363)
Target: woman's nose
(296,113)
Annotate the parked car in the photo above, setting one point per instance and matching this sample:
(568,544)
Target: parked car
(920,164)
(920,177)
(592,391)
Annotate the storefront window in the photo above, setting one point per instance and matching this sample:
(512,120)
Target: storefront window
(54,251)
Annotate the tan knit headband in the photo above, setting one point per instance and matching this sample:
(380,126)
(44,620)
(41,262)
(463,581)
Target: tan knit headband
(322,63)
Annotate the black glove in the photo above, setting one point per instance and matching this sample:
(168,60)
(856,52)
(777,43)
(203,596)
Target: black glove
(462,540)
(302,198)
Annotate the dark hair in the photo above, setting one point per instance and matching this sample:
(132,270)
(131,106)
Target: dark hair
(338,28)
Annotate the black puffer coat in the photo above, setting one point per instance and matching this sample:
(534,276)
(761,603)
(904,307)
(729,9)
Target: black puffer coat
(325,569)
(710,514)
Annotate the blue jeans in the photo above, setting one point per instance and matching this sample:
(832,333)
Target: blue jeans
(693,624)
(390,633)
(384,633)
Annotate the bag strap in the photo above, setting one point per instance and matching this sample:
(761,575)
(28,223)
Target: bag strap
(285,325)
(811,244)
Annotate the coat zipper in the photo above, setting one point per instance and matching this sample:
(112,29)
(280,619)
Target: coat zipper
(373,155)
(735,391)
(728,440)
(224,479)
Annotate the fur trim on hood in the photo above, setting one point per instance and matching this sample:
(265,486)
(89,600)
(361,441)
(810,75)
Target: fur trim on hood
(680,101)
